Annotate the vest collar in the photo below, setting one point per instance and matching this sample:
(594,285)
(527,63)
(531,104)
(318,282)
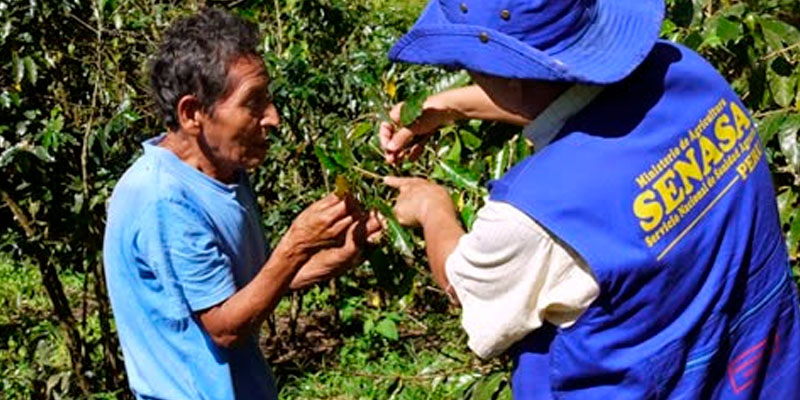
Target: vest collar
(546,125)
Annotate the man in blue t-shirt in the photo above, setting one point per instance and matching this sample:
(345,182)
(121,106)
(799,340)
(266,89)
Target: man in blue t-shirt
(189,274)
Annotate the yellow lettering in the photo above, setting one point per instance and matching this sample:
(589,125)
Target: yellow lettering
(710,153)
(688,170)
(742,122)
(648,210)
(670,194)
(725,133)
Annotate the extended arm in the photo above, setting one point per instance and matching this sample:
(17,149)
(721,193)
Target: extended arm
(234,319)
(423,203)
(510,101)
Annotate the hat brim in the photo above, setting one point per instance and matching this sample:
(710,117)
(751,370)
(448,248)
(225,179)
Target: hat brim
(609,49)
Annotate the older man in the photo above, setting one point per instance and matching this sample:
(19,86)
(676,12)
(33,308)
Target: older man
(638,253)
(189,274)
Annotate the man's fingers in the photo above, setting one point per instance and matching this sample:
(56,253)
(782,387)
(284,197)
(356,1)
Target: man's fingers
(328,201)
(332,215)
(416,150)
(385,134)
(340,226)
(394,113)
(400,139)
(394,181)
(375,237)
(374,223)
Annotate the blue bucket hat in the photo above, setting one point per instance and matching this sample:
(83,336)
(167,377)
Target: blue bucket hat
(588,41)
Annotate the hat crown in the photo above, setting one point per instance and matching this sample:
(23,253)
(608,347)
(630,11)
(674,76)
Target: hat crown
(542,24)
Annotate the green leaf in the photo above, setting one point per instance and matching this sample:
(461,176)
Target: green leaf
(786,208)
(412,108)
(31,69)
(793,236)
(388,329)
(459,175)
(500,162)
(401,239)
(780,29)
(735,10)
(18,68)
(8,154)
(727,30)
(505,393)
(42,154)
(343,155)
(454,154)
(360,130)
(452,81)
(326,161)
(782,88)
(468,215)
(485,388)
(693,40)
(787,140)
(523,149)
(471,141)
(769,125)
(667,27)
(369,326)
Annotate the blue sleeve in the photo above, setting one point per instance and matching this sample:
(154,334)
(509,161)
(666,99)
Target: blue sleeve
(184,253)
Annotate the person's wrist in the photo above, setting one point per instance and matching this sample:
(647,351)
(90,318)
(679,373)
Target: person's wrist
(292,249)
(439,205)
(441,105)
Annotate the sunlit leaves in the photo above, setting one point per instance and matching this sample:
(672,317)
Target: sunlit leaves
(398,235)
(388,329)
(412,108)
(487,388)
(789,145)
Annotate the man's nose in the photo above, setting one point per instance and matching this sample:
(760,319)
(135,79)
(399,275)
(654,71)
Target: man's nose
(270,117)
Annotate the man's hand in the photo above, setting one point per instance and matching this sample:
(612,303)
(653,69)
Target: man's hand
(333,261)
(320,225)
(399,142)
(424,203)
(418,200)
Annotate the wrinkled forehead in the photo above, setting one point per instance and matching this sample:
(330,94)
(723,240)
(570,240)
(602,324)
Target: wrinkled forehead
(245,72)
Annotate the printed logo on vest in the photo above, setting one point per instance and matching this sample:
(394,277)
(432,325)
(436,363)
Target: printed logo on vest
(678,190)
(743,370)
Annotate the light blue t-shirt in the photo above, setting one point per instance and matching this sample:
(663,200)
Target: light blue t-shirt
(176,242)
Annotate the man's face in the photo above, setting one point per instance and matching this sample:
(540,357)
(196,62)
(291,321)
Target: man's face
(234,134)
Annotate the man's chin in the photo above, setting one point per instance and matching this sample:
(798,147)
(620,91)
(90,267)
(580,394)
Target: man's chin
(255,160)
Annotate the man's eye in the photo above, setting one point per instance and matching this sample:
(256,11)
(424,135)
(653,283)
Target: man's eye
(257,104)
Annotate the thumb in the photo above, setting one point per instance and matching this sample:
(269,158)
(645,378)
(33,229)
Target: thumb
(394,113)
(398,140)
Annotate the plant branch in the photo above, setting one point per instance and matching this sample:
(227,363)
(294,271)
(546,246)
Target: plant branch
(780,51)
(19,215)
(366,173)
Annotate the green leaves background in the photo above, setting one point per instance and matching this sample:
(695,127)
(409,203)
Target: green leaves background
(74,107)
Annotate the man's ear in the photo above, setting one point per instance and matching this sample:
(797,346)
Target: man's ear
(190,113)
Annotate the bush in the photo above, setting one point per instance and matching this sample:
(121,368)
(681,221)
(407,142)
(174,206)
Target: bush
(74,107)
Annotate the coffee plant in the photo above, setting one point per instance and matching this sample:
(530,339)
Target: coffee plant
(74,108)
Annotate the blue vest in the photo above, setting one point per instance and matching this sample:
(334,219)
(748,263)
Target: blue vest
(661,186)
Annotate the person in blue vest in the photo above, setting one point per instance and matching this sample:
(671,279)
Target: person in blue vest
(637,254)
(189,274)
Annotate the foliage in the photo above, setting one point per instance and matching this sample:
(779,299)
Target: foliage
(756,46)
(74,107)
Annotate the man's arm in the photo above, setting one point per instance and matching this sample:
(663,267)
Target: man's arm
(423,203)
(511,101)
(319,225)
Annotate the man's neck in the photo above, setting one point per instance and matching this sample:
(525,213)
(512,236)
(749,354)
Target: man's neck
(190,151)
